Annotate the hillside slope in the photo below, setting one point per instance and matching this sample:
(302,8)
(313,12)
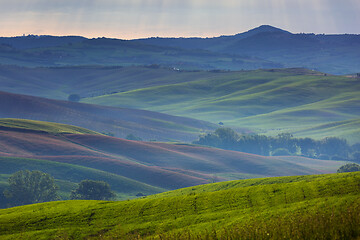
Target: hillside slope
(60,82)
(163,165)
(41,126)
(68,175)
(117,121)
(348,129)
(287,99)
(59,148)
(320,207)
(270,101)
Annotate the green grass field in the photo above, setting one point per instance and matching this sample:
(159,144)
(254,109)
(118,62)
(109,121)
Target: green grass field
(266,101)
(349,129)
(303,207)
(282,100)
(68,175)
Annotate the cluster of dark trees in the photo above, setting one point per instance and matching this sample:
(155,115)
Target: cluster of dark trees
(283,144)
(28,187)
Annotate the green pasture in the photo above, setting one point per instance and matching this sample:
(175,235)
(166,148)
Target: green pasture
(321,207)
(68,175)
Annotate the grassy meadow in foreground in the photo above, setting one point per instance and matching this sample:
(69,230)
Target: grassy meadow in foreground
(304,207)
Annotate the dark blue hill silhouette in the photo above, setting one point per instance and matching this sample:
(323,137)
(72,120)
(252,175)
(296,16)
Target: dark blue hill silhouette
(261,47)
(337,54)
(33,41)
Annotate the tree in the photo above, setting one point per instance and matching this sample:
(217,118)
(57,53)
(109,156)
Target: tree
(227,138)
(27,187)
(308,146)
(74,98)
(285,140)
(349,167)
(334,146)
(93,190)
(281,152)
(3,200)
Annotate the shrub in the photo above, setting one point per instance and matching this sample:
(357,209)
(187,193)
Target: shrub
(93,190)
(349,167)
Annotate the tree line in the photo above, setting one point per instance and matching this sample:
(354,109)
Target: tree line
(332,148)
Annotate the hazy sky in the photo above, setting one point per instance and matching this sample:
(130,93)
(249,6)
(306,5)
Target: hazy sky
(204,18)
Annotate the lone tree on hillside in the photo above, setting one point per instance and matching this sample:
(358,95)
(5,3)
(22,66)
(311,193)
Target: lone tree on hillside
(74,98)
(27,187)
(349,167)
(93,190)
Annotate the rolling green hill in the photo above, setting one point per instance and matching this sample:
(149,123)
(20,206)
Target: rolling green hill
(270,101)
(91,152)
(119,122)
(60,82)
(285,100)
(349,129)
(68,175)
(311,207)
(161,165)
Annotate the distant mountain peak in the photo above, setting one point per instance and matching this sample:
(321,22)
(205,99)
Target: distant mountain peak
(261,29)
(266,28)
